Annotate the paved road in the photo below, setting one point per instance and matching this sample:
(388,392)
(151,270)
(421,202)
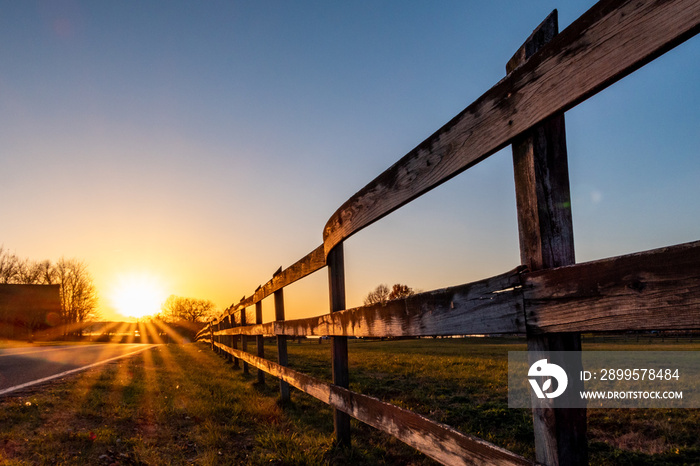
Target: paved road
(27,366)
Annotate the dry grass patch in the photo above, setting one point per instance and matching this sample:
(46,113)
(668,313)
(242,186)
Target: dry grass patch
(182,404)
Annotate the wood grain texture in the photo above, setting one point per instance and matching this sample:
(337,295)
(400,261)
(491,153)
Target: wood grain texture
(267,329)
(339,344)
(493,305)
(234,340)
(608,42)
(244,339)
(229,338)
(282,356)
(546,237)
(543,200)
(305,266)
(260,341)
(486,306)
(202,333)
(653,290)
(438,441)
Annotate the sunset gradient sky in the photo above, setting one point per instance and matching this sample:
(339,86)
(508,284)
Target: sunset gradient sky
(201,145)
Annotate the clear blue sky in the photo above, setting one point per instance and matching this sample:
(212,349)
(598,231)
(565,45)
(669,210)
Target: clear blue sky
(207,143)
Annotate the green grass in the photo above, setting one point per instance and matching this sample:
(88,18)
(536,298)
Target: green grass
(182,404)
(463,383)
(175,404)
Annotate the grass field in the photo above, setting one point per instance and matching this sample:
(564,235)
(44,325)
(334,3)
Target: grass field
(182,404)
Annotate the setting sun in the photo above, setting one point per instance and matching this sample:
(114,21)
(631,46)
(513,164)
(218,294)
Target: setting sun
(138,295)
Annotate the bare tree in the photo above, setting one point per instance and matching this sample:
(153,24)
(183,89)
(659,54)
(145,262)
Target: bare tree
(379,295)
(28,272)
(78,294)
(382,293)
(45,273)
(399,291)
(177,308)
(9,266)
(14,270)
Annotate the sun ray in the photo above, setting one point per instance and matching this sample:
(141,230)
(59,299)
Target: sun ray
(170,332)
(149,331)
(107,330)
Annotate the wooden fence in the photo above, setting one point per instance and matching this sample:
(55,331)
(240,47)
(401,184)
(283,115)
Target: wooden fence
(548,297)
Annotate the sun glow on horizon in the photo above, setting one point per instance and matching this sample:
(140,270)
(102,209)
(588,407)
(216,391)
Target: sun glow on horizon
(138,295)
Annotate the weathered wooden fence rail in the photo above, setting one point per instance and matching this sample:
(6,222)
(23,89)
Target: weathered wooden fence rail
(549,297)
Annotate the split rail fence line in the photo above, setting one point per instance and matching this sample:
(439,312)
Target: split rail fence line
(548,297)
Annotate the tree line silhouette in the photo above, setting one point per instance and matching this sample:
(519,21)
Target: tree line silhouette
(382,293)
(78,295)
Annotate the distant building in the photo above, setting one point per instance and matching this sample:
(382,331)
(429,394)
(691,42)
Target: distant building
(26,309)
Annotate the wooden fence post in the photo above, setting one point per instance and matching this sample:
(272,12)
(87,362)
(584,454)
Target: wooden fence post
(234,343)
(260,341)
(339,345)
(220,338)
(229,339)
(244,341)
(220,327)
(211,335)
(281,343)
(546,240)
